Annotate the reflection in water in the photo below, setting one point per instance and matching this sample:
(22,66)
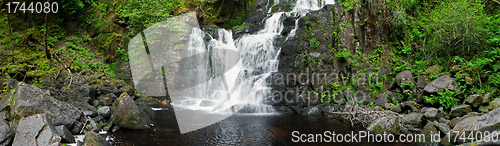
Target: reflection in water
(239,129)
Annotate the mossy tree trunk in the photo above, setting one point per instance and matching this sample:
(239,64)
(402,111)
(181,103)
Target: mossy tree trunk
(47,52)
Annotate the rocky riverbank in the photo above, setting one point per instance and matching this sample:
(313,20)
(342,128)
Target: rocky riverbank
(31,116)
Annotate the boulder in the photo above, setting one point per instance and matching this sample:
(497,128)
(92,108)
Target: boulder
(30,100)
(486,97)
(431,113)
(6,133)
(312,111)
(474,99)
(107,99)
(65,134)
(387,124)
(443,82)
(92,139)
(460,110)
(36,130)
(147,99)
(405,78)
(413,119)
(148,110)
(77,127)
(494,104)
(104,111)
(423,80)
(86,92)
(429,129)
(128,115)
(483,109)
(487,122)
(381,99)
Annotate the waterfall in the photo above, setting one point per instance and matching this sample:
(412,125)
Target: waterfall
(244,85)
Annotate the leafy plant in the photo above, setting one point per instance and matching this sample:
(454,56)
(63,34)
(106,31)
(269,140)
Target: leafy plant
(445,97)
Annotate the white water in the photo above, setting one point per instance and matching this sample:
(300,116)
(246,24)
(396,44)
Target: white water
(246,81)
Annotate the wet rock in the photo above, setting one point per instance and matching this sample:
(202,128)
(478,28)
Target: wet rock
(494,104)
(431,113)
(297,109)
(92,139)
(104,111)
(423,80)
(487,122)
(405,78)
(30,100)
(6,133)
(460,110)
(115,128)
(127,115)
(76,127)
(474,100)
(332,108)
(147,110)
(413,119)
(284,110)
(65,134)
(36,130)
(443,82)
(312,111)
(387,124)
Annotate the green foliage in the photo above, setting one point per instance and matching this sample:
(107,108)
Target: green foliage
(72,6)
(314,43)
(446,98)
(347,56)
(456,24)
(145,13)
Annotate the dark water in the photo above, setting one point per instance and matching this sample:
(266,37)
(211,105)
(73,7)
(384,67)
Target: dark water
(237,130)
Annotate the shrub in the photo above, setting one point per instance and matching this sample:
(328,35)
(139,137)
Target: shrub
(457,24)
(446,98)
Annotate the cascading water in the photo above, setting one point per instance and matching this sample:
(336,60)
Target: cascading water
(243,86)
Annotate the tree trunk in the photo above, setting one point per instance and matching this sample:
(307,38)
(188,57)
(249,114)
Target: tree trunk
(47,52)
(10,36)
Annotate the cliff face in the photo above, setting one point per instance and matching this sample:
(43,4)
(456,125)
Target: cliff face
(334,48)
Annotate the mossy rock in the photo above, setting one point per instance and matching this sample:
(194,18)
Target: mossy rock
(388,124)
(128,115)
(92,139)
(146,99)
